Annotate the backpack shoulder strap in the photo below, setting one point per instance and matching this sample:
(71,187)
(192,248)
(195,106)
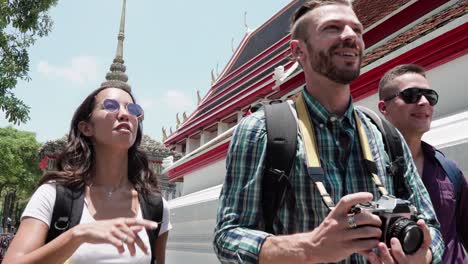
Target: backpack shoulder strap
(453,173)
(67,212)
(152,209)
(281,126)
(393,145)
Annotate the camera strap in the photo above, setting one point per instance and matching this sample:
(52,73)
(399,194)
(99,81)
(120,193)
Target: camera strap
(314,169)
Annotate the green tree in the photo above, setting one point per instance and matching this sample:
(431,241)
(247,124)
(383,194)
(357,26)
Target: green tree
(21,23)
(19,165)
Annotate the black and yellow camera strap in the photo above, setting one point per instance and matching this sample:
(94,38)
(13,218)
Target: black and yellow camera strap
(314,168)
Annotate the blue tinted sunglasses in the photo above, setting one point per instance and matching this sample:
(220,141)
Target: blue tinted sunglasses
(113,106)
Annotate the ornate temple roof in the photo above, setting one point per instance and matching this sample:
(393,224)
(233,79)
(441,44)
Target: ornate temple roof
(252,67)
(154,149)
(53,147)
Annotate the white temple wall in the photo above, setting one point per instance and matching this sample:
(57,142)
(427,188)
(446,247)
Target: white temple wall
(205,177)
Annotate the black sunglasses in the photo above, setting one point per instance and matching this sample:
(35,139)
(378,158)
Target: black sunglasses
(113,106)
(413,95)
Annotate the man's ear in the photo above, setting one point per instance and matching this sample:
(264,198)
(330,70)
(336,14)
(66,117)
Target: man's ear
(85,128)
(297,49)
(382,107)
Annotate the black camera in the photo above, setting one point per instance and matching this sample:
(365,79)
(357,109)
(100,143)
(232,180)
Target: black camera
(398,220)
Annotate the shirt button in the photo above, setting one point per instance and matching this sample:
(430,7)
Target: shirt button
(321,125)
(337,142)
(333,118)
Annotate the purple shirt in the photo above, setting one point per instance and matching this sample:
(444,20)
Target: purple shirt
(453,221)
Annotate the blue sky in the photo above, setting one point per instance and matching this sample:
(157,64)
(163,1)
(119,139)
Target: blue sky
(170,48)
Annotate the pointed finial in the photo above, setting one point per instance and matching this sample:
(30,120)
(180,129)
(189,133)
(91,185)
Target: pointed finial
(164,134)
(178,120)
(184,116)
(232,45)
(170,130)
(116,77)
(247,29)
(121,36)
(217,69)
(213,78)
(198,97)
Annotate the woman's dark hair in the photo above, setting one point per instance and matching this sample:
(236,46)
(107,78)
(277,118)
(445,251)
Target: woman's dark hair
(75,163)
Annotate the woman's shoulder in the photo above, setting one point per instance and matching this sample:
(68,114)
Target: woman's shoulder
(42,202)
(47,190)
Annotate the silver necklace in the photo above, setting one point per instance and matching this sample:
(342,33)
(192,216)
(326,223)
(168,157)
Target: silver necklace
(108,194)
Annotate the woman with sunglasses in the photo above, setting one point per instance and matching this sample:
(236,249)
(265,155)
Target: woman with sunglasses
(102,157)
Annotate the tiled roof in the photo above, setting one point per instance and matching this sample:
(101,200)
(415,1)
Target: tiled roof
(368,11)
(264,37)
(371,11)
(417,31)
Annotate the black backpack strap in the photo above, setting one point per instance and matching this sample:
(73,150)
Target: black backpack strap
(393,146)
(453,173)
(152,209)
(281,128)
(67,212)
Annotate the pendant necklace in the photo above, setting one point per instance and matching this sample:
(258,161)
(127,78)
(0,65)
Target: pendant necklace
(108,193)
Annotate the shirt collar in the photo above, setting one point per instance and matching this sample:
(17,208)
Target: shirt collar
(320,115)
(428,150)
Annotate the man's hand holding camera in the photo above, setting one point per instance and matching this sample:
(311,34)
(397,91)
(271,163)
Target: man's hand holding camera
(396,253)
(342,234)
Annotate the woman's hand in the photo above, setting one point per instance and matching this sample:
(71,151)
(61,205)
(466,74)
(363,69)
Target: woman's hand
(116,232)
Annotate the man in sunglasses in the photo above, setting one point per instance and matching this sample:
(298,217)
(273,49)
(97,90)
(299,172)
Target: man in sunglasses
(407,101)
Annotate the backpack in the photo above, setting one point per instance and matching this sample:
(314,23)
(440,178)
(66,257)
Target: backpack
(68,208)
(281,126)
(453,173)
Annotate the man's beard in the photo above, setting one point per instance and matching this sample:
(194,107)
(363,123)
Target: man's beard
(322,63)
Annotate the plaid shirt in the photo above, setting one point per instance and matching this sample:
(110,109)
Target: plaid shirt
(238,233)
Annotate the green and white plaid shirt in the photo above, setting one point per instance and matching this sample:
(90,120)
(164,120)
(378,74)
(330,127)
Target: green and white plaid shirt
(238,233)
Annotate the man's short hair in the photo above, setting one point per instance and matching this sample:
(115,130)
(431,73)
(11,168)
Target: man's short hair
(386,81)
(299,25)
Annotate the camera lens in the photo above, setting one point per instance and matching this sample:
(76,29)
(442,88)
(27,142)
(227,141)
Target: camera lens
(409,234)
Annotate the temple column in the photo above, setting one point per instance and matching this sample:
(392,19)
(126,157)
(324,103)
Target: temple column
(222,127)
(206,136)
(192,144)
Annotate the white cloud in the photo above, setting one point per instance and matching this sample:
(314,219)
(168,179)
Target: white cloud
(177,100)
(145,103)
(81,69)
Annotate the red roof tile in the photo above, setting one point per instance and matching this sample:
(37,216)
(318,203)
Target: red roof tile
(371,11)
(417,31)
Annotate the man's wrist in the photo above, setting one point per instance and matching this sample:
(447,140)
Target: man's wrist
(291,248)
(429,256)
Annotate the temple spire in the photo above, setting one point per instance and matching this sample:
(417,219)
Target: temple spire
(117,77)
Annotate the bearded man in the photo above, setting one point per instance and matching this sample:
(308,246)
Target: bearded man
(327,41)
